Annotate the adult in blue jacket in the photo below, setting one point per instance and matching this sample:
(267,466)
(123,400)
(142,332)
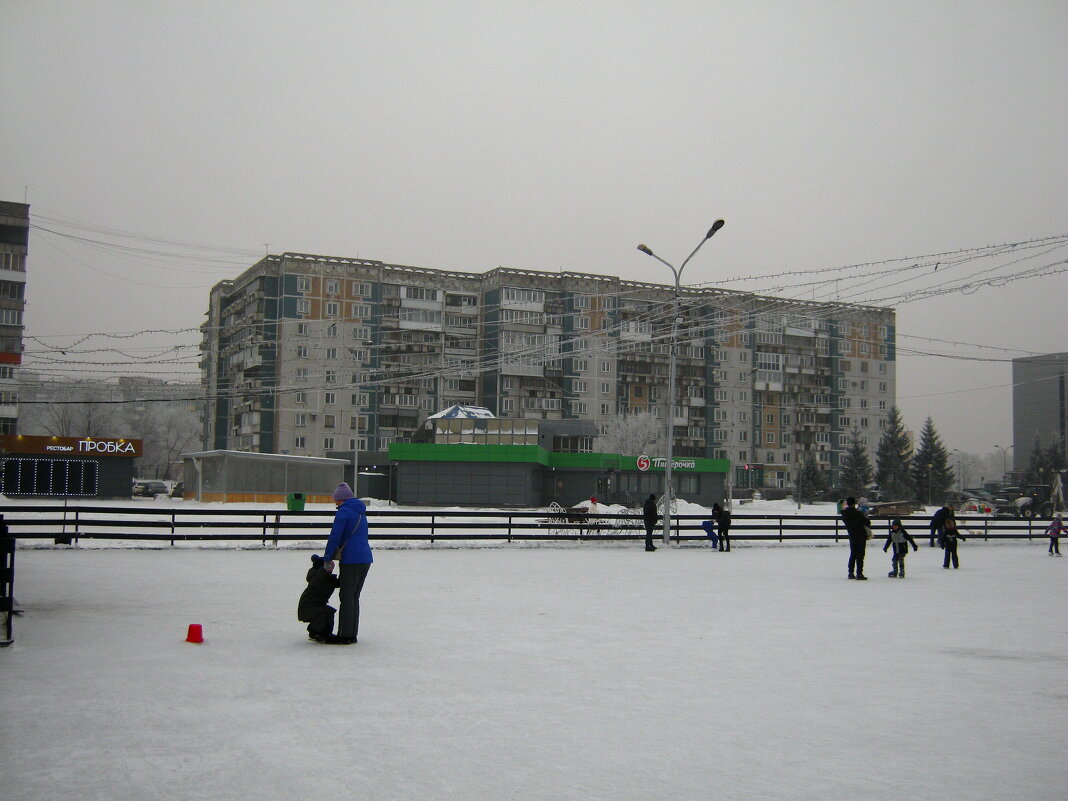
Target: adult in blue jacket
(348,545)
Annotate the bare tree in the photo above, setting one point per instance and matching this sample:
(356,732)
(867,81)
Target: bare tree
(633,435)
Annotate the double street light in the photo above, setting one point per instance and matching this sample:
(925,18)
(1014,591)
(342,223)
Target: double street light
(676,321)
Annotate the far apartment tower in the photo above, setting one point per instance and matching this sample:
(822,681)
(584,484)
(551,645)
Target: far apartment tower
(14,244)
(316,355)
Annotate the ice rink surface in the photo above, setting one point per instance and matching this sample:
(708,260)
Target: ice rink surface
(572,672)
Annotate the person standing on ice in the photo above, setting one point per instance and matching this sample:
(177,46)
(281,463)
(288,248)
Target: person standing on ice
(858,525)
(349,546)
(650,516)
(950,535)
(900,540)
(723,525)
(1056,528)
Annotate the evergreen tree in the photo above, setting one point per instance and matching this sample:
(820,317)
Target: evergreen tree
(893,460)
(931,474)
(856,468)
(811,480)
(1045,462)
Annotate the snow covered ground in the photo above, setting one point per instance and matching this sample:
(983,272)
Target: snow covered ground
(575,672)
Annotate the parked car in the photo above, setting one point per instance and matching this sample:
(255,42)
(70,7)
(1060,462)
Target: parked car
(178,490)
(148,489)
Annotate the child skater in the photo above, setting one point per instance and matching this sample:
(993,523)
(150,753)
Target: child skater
(949,541)
(1056,528)
(312,607)
(901,540)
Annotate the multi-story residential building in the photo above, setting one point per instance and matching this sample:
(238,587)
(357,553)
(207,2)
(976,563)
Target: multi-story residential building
(1039,404)
(14,243)
(316,355)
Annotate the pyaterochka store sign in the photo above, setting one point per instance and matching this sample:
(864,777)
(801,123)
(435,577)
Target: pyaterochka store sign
(644,463)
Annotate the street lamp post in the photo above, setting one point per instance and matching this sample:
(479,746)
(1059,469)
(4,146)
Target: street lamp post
(675,321)
(960,469)
(1004,457)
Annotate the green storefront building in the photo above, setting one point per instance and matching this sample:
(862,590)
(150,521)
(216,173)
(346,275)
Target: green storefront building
(532,476)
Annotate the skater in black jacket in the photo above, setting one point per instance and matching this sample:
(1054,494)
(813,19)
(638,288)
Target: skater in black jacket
(900,540)
(938,523)
(312,607)
(950,535)
(650,516)
(723,526)
(859,527)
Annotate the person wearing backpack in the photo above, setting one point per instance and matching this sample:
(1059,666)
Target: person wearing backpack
(950,535)
(349,546)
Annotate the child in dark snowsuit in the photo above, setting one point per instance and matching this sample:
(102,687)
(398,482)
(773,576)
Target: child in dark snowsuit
(950,535)
(900,539)
(312,607)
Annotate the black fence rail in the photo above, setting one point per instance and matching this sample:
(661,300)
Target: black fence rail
(70,523)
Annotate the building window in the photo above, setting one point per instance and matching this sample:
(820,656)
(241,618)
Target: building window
(331,353)
(302,351)
(329,398)
(329,420)
(606,387)
(303,283)
(301,397)
(331,376)
(333,308)
(298,442)
(508,405)
(328,443)
(420,293)
(302,374)
(303,307)
(606,409)
(302,329)
(769,437)
(301,420)
(333,286)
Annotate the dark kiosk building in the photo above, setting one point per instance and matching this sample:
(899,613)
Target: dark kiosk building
(87,467)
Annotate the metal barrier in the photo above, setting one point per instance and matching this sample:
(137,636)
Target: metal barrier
(65,524)
(7,581)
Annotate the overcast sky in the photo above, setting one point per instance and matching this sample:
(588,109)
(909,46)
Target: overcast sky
(554,135)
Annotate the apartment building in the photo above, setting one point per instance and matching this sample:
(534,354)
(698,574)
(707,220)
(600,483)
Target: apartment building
(1039,405)
(14,245)
(316,355)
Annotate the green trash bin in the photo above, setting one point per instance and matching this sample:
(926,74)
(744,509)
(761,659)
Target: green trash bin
(295,502)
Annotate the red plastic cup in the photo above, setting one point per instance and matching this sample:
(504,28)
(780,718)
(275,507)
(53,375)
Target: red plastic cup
(196,633)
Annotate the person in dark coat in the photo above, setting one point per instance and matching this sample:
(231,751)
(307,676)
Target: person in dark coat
(900,539)
(858,525)
(650,516)
(938,523)
(723,526)
(950,535)
(313,608)
(348,544)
